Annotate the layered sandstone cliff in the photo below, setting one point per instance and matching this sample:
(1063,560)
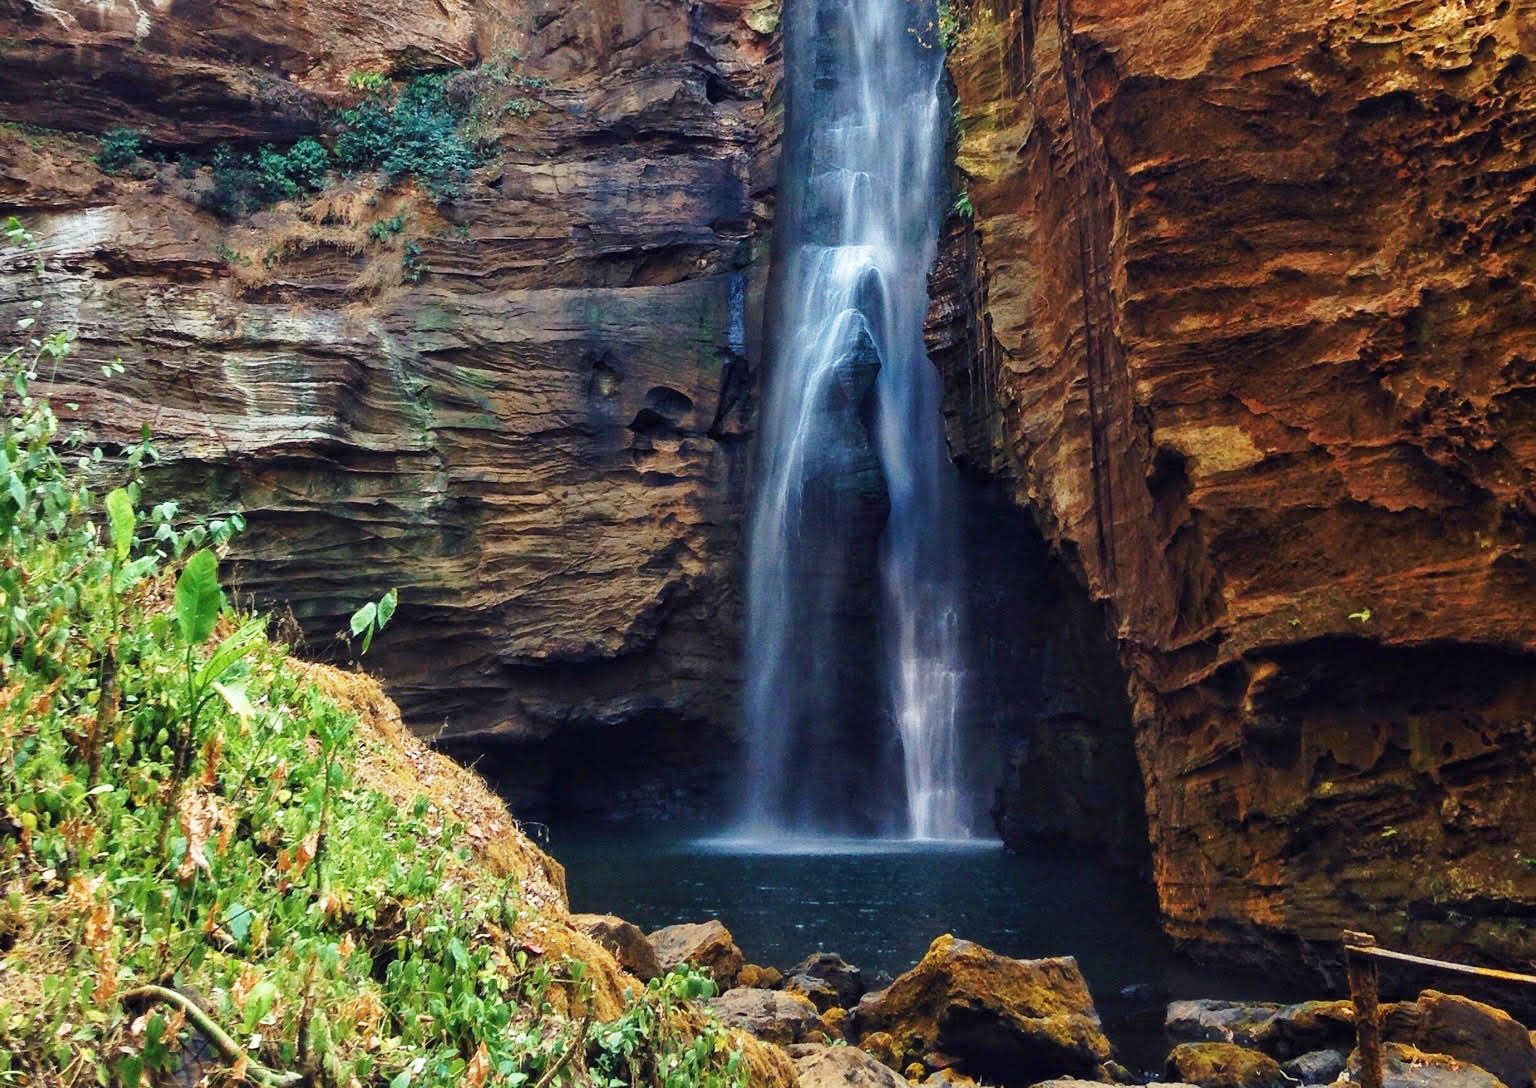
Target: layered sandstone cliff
(524,407)
(1254,340)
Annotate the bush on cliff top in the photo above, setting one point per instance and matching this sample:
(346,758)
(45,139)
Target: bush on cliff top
(209,859)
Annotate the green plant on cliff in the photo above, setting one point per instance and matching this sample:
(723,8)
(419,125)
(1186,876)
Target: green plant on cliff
(246,181)
(120,148)
(201,864)
(414,133)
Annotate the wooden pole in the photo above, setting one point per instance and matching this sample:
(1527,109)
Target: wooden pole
(1365,993)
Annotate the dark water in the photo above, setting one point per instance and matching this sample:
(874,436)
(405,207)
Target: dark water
(879,906)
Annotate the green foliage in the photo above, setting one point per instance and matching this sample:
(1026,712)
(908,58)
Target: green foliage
(120,148)
(367,81)
(246,182)
(951,24)
(373,617)
(963,206)
(411,268)
(414,133)
(181,809)
(384,228)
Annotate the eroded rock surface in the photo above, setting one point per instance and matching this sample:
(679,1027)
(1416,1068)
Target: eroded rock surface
(706,945)
(524,408)
(1253,342)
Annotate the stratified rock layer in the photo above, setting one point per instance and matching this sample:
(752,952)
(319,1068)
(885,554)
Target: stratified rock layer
(1254,341)
(524,409)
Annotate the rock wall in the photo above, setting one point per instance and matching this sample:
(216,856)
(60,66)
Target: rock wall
(1254,342)
(526,410)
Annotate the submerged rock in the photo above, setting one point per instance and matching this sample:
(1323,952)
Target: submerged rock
(1477,1033)
(846,979)
(706,945)
(841,1067)
(1404,1066)
(771,1015)
(625,940)
(1315,1067)
(1012,1022)
(1224,1065)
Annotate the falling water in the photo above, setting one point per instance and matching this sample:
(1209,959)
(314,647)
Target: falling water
(854,665)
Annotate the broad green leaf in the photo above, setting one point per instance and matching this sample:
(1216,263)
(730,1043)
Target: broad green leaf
(120,518)
(229,651)
(363,618)
(237,700)
(387,607)
(198,598)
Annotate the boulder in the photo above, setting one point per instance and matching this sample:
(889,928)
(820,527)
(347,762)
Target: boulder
(771,1015)
(817,991)
(1281,1031)
(1012,1022)
(625,940)
(1315,1067)
(706,945)
(841,1067)
(1209,1021)
(835,1023)
(1477,1033)
(759,977)
(1224,1065)
(836,972)
(1404,1066)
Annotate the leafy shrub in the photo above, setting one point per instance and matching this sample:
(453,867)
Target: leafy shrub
(184,810)
(415,133)
(120,148)
(245,182)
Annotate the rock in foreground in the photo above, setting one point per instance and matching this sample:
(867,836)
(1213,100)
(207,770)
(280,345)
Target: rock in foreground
(1476,1033)
(840,1067)
(1224,1065)
(1006,1021)
(846,979)
(707,945)
(771,1015)
(1403,1066)
(625,940)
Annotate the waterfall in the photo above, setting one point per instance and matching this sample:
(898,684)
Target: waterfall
(854,617)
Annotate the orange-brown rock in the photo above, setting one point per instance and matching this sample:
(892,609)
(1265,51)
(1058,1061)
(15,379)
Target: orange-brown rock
(1005,1021)
(706,945)
(536,435)
(1254,343)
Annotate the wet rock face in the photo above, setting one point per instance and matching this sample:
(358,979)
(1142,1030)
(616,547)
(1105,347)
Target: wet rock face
(537,435)
(1252,339)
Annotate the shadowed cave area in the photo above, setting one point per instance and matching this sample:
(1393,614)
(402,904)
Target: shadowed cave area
(1048,748)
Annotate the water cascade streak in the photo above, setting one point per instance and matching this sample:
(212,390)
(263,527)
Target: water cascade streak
(854,666)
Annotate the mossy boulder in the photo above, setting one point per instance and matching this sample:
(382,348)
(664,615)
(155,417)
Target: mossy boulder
(1477,1033)
(758,977)
(1224,1065)
(1281,1031)
(1005,1021)
(1405,1066)
(846,979)
(817,991)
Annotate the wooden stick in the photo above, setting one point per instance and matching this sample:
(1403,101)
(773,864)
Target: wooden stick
(1364,992)
(1424,961)
(226,1046)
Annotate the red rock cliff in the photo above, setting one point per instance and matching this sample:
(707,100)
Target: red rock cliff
(523,408)
(1256,342)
